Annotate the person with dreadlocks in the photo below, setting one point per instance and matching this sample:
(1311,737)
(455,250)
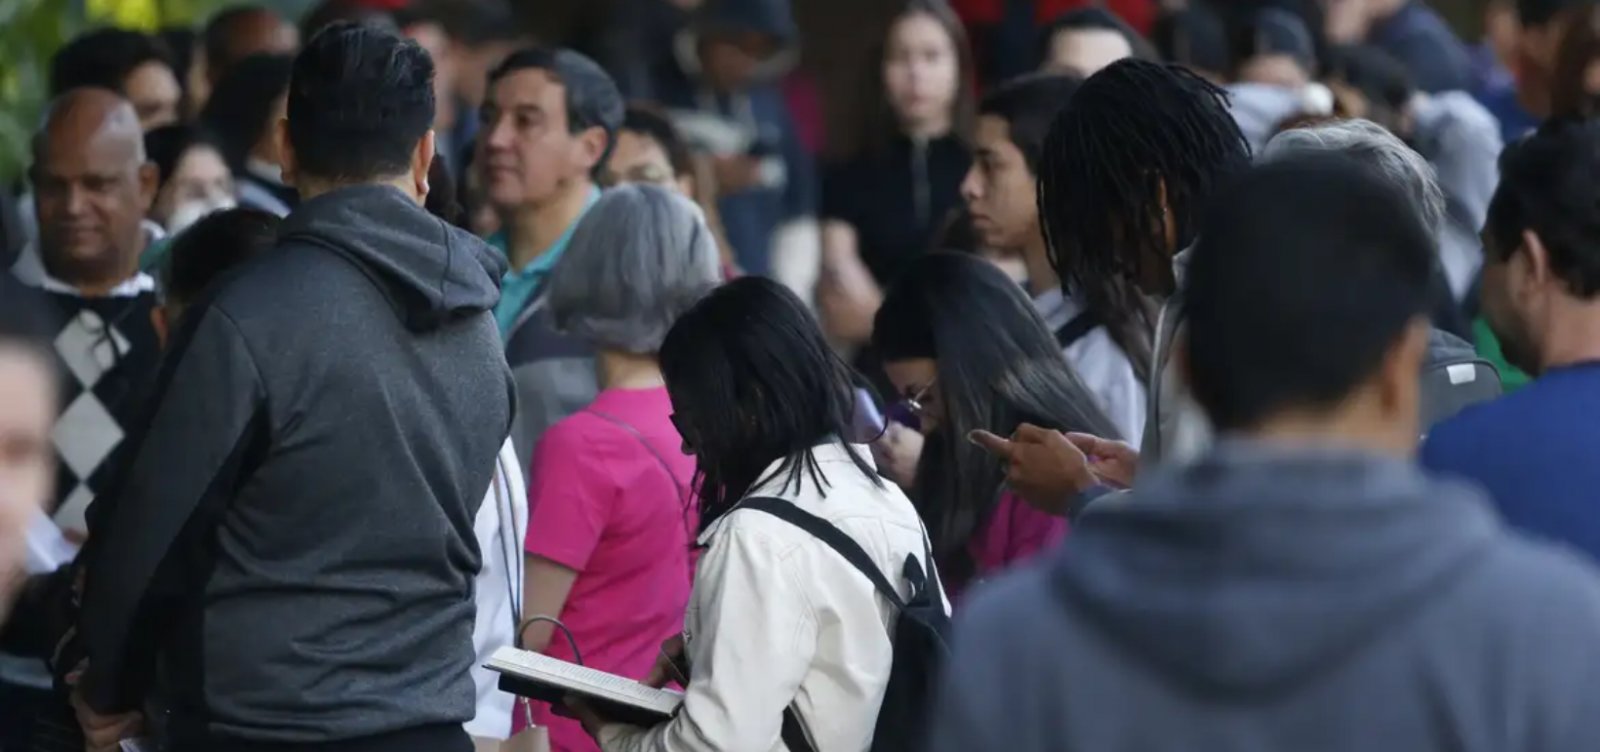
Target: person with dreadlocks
(1127,168)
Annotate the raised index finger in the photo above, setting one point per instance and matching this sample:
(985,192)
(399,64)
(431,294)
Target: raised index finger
(995,445)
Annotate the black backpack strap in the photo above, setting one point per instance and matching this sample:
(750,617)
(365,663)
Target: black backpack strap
(1075,329)
(835,538)
(793,733)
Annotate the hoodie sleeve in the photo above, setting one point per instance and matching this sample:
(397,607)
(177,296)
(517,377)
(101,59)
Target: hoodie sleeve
(206,425)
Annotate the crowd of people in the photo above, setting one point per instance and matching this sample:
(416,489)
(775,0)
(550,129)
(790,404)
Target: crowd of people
(1212,376)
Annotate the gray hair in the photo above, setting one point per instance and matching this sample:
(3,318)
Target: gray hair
(640,257)
(1369,144)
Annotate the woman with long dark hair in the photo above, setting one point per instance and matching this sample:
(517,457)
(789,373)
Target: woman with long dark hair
(886,206)
(777,619)
(967,351)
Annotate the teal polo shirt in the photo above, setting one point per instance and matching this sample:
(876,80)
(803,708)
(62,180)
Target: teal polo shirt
(520,284)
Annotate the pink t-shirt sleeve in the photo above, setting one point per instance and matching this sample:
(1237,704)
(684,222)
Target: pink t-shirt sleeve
(570,495)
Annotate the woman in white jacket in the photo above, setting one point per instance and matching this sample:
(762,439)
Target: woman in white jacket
(776,619)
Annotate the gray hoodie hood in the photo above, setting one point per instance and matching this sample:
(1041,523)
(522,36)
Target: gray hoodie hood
(1258,568)
(431,271)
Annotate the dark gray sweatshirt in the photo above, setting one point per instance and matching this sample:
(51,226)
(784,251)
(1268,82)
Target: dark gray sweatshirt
(289,555)
(1269,600)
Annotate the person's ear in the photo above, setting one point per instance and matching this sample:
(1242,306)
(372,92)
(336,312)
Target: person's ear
(1169,228)
(149,183)
(1535,257)
(421,162)
(592,144)
(288,160)
(1398,388)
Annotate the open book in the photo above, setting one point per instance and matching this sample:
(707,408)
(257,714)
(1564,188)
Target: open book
(540,677)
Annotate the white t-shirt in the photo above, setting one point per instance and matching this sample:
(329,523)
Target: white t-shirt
(500,526)
(1102,366)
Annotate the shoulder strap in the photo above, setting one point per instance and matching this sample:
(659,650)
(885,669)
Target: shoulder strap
(626,426)
(834,537)
(1076,328)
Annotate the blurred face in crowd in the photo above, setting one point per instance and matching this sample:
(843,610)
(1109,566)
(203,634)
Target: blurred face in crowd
(730,59)
(1519,293)
(1535,60)
(156,96)
(916,382)
(1000,191)
(199,185)
(1083,52)
(638,158)
(1274,70)
(921,71)
(528,152)
(92,189)
(27,461)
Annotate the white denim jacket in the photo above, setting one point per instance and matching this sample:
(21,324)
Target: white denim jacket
(778,618)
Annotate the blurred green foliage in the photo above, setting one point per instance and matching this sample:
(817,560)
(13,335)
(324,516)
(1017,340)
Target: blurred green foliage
(32,30)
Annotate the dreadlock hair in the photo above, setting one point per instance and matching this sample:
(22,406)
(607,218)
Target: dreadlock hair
(1133,134)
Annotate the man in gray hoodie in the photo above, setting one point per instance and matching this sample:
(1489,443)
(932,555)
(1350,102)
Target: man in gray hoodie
(1302,586)
(287,559)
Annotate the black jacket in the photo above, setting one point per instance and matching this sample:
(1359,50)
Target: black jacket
(290,548)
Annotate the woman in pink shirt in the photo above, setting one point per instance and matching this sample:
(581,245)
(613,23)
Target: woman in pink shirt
(611,518)
(967,350)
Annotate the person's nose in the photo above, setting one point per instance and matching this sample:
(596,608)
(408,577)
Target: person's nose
(971,186)
(498,135)
(78,201)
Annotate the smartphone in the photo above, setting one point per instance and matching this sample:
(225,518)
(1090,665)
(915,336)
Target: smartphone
(868,421)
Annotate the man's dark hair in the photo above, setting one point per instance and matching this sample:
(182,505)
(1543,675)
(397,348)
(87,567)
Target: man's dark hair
(1550,184)
(1028,105)
(654,125)
(1133,133)
(1273,31)
(593,100)
(1093,18)
(239,110)
(1537,13)
(212,246)
(1195,38)
(222,36)
(330,12)
(1380,78)
(360,98)
(1275,320)
(104,58)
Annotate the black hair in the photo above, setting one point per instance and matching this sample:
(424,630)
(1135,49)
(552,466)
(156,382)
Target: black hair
(1381,80)
(166,146)
(1093,18)
(1274,320)
(222,37)
(1550,184)
(1029,105)
(998,366)
(754,382)
(240,107)
(360,99)
(330,12)
(1133,133)
(651,123)
(1273,31)
(104,58)
(442,191)
(1195,38)
(592,97)
(1537,13)
(181,43)
(211,247)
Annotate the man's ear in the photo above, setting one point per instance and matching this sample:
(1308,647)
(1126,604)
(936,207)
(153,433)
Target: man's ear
(421,163)
(288,160)
(149,184)
(1398,383)
(1537,257)
(592,145)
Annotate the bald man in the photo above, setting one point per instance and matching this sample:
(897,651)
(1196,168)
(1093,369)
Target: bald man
(92,186)
(235,34)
